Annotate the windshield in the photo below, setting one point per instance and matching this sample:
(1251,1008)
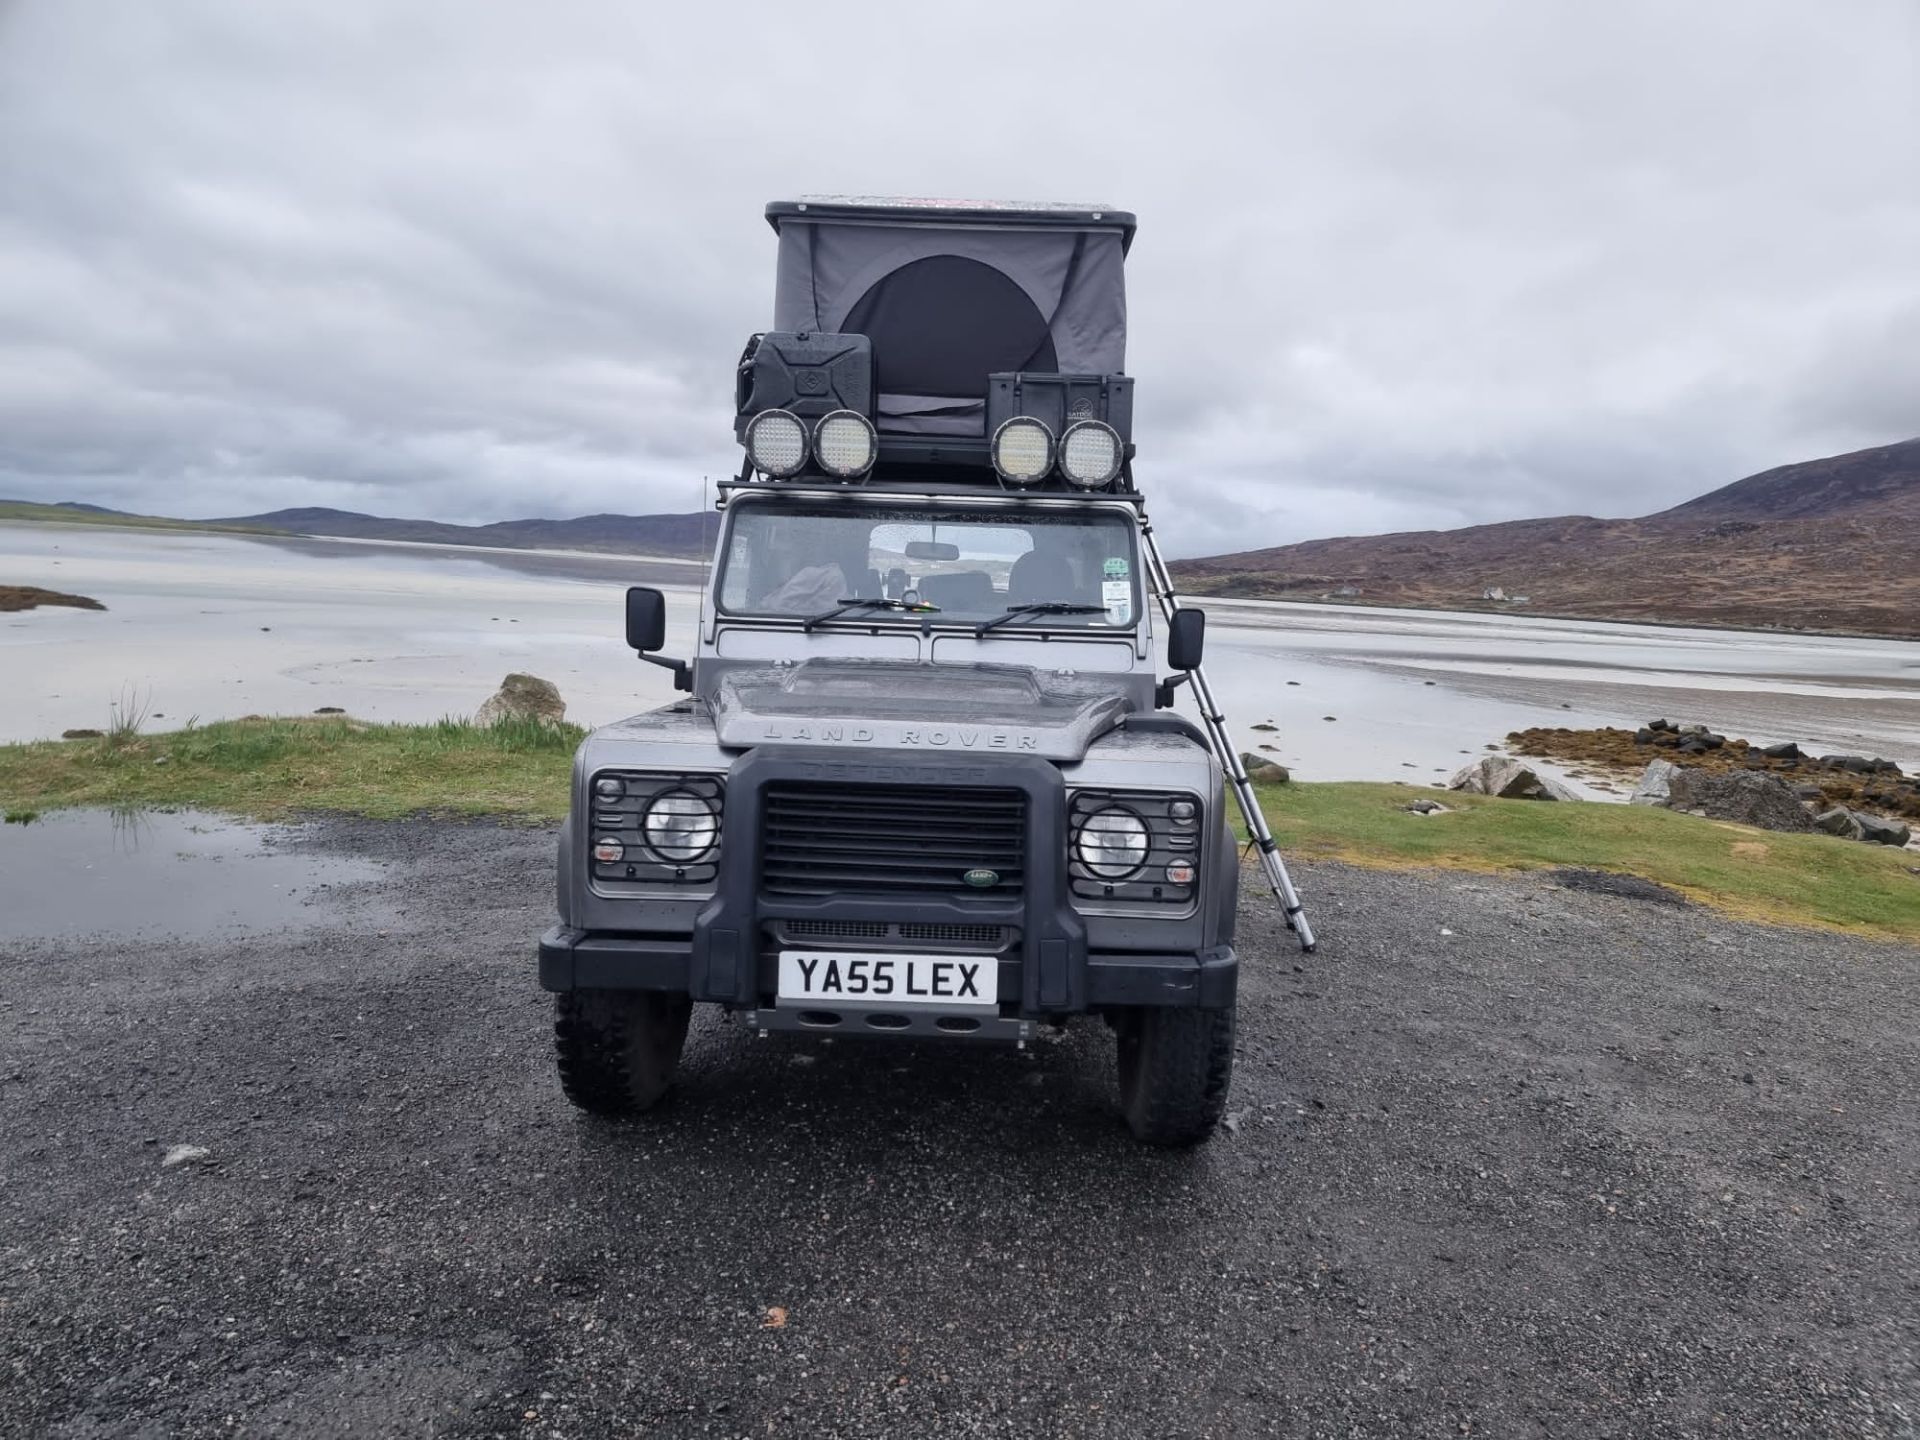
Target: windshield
(969,564)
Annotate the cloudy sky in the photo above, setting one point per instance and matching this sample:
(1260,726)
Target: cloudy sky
(1400,264)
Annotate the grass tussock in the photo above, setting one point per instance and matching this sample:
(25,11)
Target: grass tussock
(269,768)
(1750,874)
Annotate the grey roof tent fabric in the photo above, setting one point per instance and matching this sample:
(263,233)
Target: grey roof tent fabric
(952,292)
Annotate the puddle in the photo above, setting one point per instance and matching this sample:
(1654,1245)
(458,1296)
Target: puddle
(94,872)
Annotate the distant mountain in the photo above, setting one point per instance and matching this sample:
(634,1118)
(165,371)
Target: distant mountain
(1884,481)
(1826,544)
(689,535)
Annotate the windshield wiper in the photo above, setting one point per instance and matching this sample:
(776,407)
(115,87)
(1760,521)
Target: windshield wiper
(866,603)
(1037,607)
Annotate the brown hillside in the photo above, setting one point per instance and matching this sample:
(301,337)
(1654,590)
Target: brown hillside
(1828,545)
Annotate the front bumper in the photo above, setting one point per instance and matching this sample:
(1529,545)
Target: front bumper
(579,960)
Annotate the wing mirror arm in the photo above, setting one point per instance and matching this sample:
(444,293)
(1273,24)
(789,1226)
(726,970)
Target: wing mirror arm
(1163,692)
(647,632)
(682,670)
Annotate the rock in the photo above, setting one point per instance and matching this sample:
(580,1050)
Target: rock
(1785,750)
(330,710)
(1745,797)
(1643,736)
(1329,717)
(1694,745)
(1882,831)
(1263,725)
(1658,725)
(1656,784)
(1885,767)
(1509,779)
(1692,729)
(80,735)
(179,1155)
(1806,792)
(1839,821)
(1427,807)
(1713,741)
(1857,764)
(523,697)
(1268,772)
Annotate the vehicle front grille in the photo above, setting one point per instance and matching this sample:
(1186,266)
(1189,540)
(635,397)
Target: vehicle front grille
(892,840)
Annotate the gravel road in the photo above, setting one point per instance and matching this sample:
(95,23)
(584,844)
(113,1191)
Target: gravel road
(1506,1159)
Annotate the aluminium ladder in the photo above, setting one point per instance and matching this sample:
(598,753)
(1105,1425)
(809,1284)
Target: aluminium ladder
(1221,743)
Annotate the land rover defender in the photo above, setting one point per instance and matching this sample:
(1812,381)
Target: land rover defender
(925,780)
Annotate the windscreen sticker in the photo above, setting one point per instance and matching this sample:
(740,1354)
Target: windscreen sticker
(1115,569)
(1117,596)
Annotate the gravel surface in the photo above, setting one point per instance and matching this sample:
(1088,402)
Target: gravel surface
(1504,1159)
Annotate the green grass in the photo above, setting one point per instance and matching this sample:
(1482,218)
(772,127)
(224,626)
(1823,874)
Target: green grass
(1751,874)
(269,768)
(26,510)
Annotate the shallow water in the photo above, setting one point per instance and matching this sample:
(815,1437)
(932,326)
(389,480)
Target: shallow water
(218,626)
(152,873)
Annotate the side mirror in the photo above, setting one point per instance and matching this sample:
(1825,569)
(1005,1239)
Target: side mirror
(646,619)
(1186,639)
(647,632)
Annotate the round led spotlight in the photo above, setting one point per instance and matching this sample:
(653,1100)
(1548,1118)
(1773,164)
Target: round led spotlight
(1023,450)
(845,445)
(777,443)
(1091,454)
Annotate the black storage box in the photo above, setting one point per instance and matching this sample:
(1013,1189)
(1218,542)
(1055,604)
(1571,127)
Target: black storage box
(1059,400)
(809,373)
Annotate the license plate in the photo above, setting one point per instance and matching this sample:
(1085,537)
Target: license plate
(862,977)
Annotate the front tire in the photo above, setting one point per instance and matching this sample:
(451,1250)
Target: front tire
(617,1048)
(1175,1068)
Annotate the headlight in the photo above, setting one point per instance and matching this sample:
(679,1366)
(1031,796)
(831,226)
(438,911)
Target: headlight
(679,827)
(777,443)
(845,445)
(1112,843)
(1022,450)
(1090,454)
(1134,848)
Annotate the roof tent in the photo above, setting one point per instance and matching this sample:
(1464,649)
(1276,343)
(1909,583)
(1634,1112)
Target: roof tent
(950,292)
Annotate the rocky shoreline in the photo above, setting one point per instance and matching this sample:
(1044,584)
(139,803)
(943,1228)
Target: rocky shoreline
(1777,786)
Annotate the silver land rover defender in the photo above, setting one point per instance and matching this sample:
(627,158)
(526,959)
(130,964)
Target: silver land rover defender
(925,781)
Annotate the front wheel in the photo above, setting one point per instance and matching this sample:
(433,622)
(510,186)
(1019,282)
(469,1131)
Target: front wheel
(1175,1067)
(617,1048)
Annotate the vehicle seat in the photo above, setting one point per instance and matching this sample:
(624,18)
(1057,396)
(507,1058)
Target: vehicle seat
(962,590)
(1037,577)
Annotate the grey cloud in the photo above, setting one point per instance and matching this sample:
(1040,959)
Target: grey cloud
(1400,266)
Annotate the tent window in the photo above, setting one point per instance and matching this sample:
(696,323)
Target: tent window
(941,325)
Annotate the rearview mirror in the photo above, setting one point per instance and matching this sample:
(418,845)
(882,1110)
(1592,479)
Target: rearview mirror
(1186,639)
(646,618)
(932,550)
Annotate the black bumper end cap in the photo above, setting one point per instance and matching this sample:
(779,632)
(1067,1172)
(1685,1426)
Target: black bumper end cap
(572,959)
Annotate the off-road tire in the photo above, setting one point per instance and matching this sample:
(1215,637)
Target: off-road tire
(617,1048)
(1175,1067)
